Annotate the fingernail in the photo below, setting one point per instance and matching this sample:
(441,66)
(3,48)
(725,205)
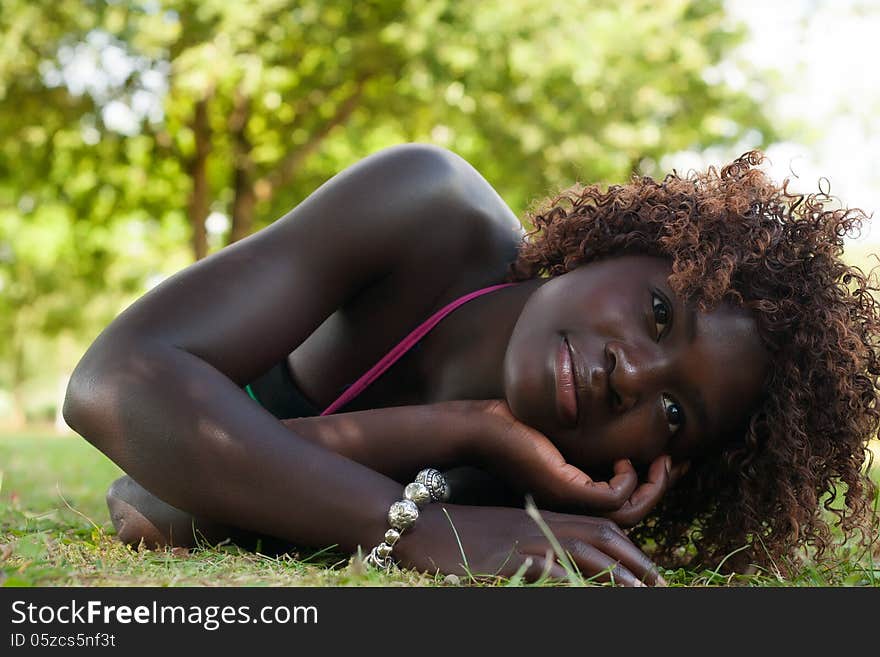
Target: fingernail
(668,464)
(661,581)
(640,583)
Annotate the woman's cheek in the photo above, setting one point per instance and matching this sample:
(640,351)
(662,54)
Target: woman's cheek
(631,436)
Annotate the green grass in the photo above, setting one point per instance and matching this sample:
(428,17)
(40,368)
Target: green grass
(55,531)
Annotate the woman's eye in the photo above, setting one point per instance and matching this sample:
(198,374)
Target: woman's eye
(674,413)
(662,314)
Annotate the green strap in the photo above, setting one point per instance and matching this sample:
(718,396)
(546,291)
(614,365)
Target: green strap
(251,393)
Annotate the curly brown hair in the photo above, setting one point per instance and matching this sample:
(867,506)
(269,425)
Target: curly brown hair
(736,236)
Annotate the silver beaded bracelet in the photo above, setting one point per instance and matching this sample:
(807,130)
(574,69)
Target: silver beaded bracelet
(430,486)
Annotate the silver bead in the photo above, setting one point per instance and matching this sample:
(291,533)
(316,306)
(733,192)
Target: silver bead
(403,514)
(435,482)
(384,550)
(418,493)
(382,563)
(391,536)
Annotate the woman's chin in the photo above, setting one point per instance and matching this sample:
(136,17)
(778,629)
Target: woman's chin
(528,414)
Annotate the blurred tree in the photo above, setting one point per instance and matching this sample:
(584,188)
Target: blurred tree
(266,100)
(125,125)
(77,237)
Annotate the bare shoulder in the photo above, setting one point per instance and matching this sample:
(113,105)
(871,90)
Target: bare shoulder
(403,205)
(447,198)
(484,207)
(460,214)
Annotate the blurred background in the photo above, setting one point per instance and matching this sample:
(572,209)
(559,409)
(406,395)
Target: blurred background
(137,136)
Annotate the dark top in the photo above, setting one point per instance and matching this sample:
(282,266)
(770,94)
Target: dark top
(277,393)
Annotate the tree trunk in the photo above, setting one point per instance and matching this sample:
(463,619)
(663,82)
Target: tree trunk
(244,200)
(198,173)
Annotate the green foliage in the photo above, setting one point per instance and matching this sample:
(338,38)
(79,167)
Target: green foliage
(123,125)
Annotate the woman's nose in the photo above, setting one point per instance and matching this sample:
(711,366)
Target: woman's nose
(634,372)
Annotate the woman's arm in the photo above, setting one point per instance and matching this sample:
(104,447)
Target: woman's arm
(484,434)
(158,391)
(397,441)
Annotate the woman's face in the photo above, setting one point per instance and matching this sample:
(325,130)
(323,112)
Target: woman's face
(608,363)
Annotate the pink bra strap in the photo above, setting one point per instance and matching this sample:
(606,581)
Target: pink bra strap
(402,347)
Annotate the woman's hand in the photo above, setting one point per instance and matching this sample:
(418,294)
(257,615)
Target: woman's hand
(530,462)
(496,541)
(399,441)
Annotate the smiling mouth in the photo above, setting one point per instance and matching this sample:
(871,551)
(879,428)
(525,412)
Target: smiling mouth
(566,386)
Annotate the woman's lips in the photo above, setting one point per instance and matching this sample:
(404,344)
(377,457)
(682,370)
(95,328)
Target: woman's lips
(566,393)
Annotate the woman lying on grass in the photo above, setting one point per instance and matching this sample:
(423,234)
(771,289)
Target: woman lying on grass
(698,331)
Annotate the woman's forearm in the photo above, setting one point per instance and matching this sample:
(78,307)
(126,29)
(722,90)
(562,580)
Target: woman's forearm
(188,434)
(397,441)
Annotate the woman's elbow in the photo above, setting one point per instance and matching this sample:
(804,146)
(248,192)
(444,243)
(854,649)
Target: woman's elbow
(95,393)
(81,406)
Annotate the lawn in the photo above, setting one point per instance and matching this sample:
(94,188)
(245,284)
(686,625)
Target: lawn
(55,531)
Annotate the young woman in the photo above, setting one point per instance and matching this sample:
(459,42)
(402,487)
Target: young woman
(700,329)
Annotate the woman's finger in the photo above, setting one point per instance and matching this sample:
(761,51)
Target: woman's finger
(605,536)
(647,495)
(602,566)
(542,567)
(678,471)
(624,481)
(569,487)
(592,562)
(542,471)
(532,463)
(602,534)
